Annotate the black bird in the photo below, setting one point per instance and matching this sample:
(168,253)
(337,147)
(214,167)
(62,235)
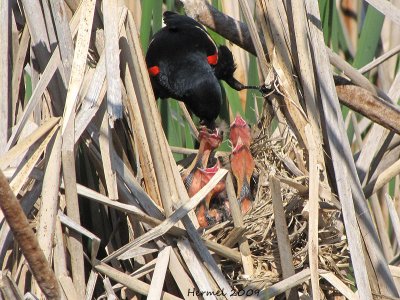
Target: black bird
(184,63)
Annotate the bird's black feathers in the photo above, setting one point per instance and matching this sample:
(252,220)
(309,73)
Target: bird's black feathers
(174,21)
(186,64)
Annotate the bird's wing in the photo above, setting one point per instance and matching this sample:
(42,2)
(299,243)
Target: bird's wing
(176,21)
(186,25)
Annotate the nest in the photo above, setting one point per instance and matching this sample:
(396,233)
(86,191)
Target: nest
(282,157)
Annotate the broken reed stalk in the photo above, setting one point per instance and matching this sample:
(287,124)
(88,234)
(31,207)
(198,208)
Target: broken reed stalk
(27,240)
(237,217)
(313,214)
(367,104)
(68,143)
(128,281)
(5,41)
(282,233)
(290,101)
(382,179)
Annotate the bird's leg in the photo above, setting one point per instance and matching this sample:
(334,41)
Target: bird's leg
(237,85)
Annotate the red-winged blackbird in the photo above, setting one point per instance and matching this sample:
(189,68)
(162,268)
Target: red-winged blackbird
(185,63)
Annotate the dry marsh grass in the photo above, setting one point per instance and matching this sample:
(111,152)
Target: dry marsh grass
(92,201)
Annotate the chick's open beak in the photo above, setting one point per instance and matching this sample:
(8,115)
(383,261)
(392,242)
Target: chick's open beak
(239,128)
(208,142)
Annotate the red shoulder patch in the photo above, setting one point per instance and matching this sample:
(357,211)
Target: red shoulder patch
(212,59)
(153,71)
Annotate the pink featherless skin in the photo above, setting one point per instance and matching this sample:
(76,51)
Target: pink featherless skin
(197,175)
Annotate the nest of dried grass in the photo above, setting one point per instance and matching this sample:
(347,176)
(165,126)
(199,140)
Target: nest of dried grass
(282,157)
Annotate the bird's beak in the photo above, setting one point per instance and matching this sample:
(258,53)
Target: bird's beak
(213,139)
(238,122)
(240,129)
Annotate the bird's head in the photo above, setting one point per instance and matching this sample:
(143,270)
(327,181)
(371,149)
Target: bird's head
(206,175)
(201,92)
(212,139)
(226,67)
